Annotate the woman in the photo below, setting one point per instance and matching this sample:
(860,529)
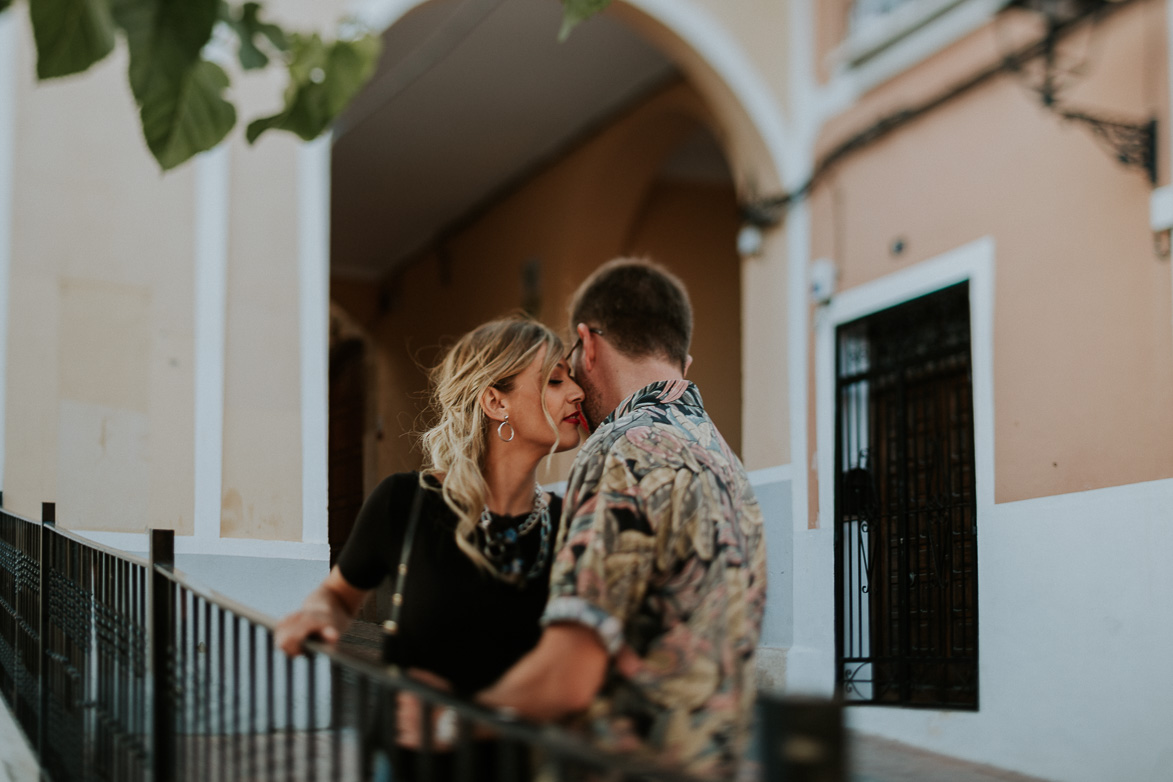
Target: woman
(478,567)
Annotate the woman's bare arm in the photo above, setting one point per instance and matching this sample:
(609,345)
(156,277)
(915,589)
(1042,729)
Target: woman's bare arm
(326,612)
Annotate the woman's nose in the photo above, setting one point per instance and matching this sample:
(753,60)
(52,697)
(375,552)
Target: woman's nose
(576,393)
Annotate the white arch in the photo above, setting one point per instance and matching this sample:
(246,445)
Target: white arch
(703,33)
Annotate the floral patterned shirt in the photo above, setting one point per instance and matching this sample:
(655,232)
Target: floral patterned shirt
(661,553)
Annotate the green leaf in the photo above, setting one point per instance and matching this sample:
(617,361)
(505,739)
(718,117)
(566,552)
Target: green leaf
(576,11)
(200,119)
(165,38)
(71,35)
(248,27)
(323,78)
(178,94)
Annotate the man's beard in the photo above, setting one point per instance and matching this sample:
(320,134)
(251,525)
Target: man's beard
(592,404)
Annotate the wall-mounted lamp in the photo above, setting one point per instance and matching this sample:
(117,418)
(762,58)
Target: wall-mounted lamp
(823,277)
(749,240)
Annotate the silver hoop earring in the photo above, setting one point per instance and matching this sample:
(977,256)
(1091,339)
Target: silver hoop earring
(502,425)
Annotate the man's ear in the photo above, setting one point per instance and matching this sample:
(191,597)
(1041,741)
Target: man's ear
(493,404)
(687,364)
(590,346)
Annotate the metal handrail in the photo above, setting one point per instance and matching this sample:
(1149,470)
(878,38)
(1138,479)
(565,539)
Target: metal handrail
(144,673)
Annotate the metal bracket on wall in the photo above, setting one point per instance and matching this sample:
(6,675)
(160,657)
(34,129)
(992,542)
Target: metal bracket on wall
(1132,145)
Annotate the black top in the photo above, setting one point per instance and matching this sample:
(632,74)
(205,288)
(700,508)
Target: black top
(457,620)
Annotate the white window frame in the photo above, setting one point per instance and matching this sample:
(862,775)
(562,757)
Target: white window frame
(866,37)
(914,32)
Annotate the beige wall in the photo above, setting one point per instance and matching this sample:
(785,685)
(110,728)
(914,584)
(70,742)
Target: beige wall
(1083,382)
(99,379)
(759,31)
(693,226)
(261,474)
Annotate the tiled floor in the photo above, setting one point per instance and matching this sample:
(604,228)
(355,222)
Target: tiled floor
(873,760)
(878,760)
(17,763)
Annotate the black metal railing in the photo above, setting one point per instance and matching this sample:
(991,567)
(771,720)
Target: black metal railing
(121,668)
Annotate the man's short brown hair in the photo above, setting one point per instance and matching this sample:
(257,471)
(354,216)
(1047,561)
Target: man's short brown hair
(641,308)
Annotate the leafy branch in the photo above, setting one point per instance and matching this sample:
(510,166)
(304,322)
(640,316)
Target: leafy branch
(181,92)
(179,89)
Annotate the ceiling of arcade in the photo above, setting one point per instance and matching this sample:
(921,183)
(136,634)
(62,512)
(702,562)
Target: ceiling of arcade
(470,100)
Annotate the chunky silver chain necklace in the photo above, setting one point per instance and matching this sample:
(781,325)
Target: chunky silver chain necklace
(540,505)
(498,544)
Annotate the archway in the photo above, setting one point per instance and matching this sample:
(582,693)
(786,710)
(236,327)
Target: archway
(654,168)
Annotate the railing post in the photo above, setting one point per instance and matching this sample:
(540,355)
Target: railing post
(803,739)
(48,521)
(162,624)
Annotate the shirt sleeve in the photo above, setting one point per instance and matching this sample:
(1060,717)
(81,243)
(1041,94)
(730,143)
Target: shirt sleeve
(364,559)
(601,572)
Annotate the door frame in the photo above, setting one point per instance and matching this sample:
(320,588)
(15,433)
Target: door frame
(972,262)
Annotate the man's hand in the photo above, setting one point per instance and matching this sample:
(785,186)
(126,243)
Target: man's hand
(560,677)
(409,717)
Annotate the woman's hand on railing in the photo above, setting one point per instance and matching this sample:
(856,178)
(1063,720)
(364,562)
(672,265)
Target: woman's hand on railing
(326,612)
(303,624)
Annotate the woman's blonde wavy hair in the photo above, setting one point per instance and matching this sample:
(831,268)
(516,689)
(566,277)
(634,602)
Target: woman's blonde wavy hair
(489,356)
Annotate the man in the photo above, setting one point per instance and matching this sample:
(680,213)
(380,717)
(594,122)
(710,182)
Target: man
(658,588)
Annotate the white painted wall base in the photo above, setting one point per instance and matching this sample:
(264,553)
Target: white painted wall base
(271,585)
(136,542)
(771,673)
(1075,682)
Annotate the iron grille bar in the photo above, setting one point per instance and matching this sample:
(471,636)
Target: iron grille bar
(905,507)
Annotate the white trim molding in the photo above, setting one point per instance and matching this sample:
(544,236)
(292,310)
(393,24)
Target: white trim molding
(313,255)
(212,197)
(810,667)
(7,204)
(778,474)
(973,262)
(948,25)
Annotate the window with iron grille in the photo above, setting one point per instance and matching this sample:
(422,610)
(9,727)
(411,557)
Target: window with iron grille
(905,506)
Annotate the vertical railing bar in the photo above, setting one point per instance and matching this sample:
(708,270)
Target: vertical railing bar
(197,740)
(179,685)
(162,555)
(48,519)
(208,738)
(252,700)
(104,664)
(270,708)
(119,676)
(289,737)
(337,703)
(221,704)
(311,717)
(120,670)
(236,764)
(362,726)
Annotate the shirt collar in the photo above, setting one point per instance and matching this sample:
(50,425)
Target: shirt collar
(663,392)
